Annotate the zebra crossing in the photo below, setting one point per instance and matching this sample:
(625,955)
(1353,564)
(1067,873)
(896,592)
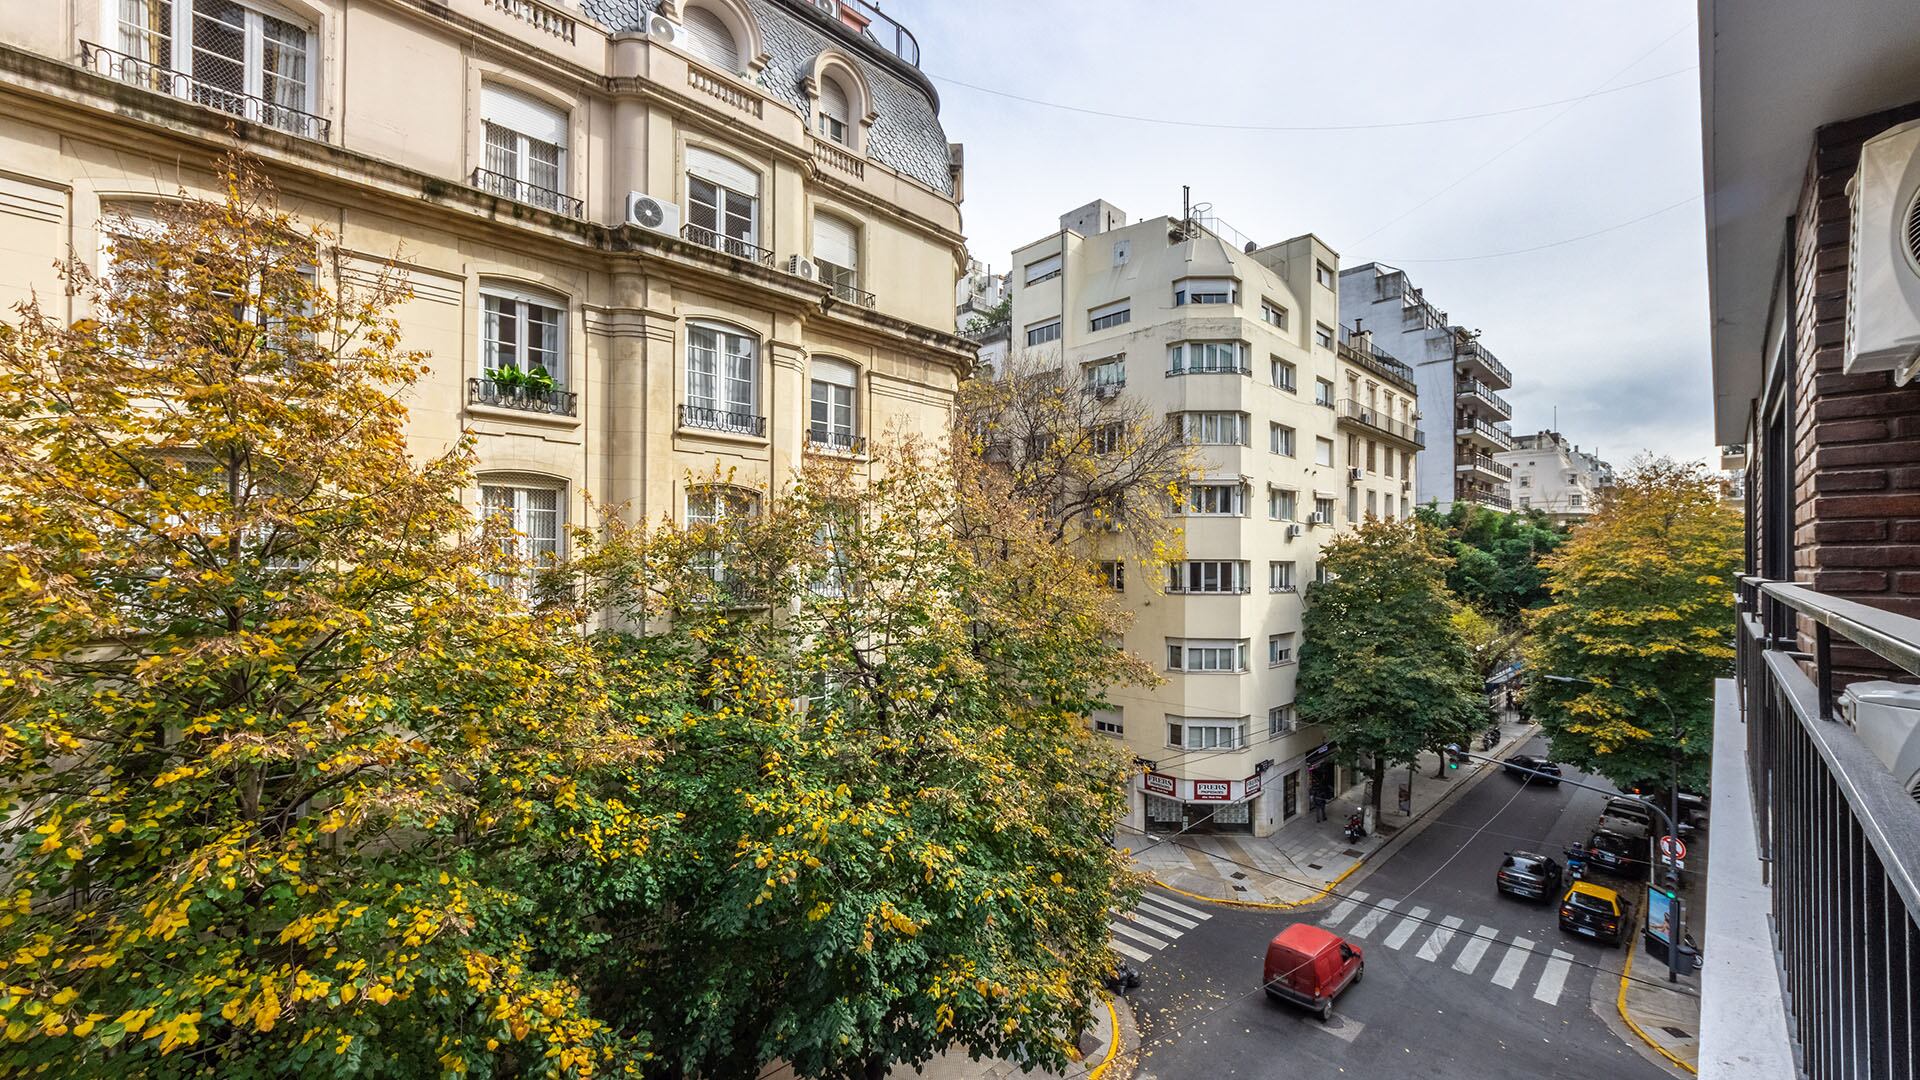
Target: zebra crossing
(1154,923)
(1514,953)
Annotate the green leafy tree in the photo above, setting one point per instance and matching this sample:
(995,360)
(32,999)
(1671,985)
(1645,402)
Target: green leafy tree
(1495,556)
(1642,603)
(1383,668)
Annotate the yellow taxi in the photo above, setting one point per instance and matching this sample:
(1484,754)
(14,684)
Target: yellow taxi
(1595,911)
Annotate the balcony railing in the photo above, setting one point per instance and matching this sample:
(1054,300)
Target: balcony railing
(1177,372)
(730,245)
(162,80)
(1470,351)
(539,16)
(836,442)
(555,402)
(1361,350)
(1418,310)
(845,292)
(867,22)
(1481,392)
(1369,417)
(737,423)
(1837,833)
(829,155)
(1485,464)
(1473,425)
(737,96)
(520,191)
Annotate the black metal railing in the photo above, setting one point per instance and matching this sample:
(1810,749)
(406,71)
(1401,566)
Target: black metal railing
(1485,464)
(728,245)
(1469,350)
(1473,425)
(843,291)
(1370,417)
(179,84)
(1173,372)
(1359,349)
(520,191)
(836,442)
(557,402)
(738,423)
(1837,830)
(1475,390)
(871,25)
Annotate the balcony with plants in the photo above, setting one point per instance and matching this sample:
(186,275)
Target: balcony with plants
(533,390)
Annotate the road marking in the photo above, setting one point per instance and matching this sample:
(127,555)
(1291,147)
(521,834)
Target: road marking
(1164,915)
(1125,949)
(1509,971)
(1373,918)
(1437,941)
(1175,905)
(1408,925)
(1343,909)
(1476,947)
(1555,977)
(1138,919)
(1138,935)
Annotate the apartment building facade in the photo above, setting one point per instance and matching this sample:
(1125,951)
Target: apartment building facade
(727,229)
(1467,420)
(1549,474)
(1302,432)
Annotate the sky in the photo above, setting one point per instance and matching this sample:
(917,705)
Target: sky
(1610,330)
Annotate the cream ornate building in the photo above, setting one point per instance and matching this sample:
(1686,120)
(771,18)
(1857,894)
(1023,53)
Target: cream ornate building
(1555,477)
(1304,429)
(728,229)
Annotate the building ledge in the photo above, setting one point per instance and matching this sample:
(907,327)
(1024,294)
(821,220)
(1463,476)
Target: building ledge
(1743,1010)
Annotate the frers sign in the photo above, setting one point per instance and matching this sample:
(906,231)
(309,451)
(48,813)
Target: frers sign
(1217,790)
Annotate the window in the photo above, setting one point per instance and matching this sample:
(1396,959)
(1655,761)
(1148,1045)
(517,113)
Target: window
(1406,465)
(1280,439)
(1279,720)
(1373,507)
(1280,504)
(1107,316)
(1320,575)
(1323,510)
(1323,274)
(1323,393)
(1043,270)
(1213,428)
(1207,576)
(1205,291)
(1103,374)
(1193,733)
(714,507)
(523,332)
(836,251)
(1109,722)
(723,374)
(710,39)
(526,143)
(1526,480)
(723,204)
(1108,438)
(1273,314)
(1353,504)
(1280,577)
(1283,374)
(1371,451)
(1526,502)
(1576,501)
(1389,499)
(1387,460)
(242,61)
(831,423)
(1322,451)
(1205,357)
(1041,333)
(1198,655)
(1114,573)
(1323,335)
(532,508)
(1226,500)
(836,111)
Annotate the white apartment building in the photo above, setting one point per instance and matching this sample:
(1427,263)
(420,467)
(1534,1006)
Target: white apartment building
(1459,382)
(1303,432)
(1554,476)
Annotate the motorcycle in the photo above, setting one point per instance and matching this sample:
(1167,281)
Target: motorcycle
(1576,863)
(1490,738)
(1356,827)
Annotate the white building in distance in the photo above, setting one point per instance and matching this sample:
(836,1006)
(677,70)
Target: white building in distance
(1554,476)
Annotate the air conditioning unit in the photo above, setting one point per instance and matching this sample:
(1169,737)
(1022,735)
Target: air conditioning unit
(648,212)
(829,8)
(666,31)
(1355,474)
(1886,716)
(1883,263)
(1318,518)
(800,267)
(1293,532)
(1106,391)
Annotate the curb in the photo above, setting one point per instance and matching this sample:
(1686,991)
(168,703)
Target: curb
(1620,1003)
(1113,1043)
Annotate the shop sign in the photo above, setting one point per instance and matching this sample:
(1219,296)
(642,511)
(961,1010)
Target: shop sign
(1319,754)
(1216,790)
(1160,785)
(1251,785)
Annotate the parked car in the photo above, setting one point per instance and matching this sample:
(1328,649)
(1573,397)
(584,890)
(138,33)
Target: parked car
(1595,911)
(1529,767)
(1625,825)
(1528,875)
(1310,966)
(1618,854)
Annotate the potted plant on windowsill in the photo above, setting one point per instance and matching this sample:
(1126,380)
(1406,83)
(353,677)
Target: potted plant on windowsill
(508,380)
(539,384)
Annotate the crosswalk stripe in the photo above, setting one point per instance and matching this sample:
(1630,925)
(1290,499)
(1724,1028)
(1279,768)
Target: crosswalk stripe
(1406,928)
(1554,978)
(1144,908)
(1343,909)
(1138,935)
(1138,919)
(1125,949)
(1476,948)
(1509,971)
(1176,905)
(1373,918)
(1437,941)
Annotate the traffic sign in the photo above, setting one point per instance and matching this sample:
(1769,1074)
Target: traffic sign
(1672,848)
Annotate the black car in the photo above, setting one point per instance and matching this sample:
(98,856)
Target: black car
(1531,768)
(1618,855)
(1528,875)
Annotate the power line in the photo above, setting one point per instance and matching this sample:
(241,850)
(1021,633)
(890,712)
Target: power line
(1379,125)
(1669,208)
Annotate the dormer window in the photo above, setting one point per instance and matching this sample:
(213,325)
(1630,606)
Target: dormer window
(836,111)
(711,39)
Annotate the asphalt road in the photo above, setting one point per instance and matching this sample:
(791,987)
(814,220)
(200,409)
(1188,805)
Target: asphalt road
(1459,983)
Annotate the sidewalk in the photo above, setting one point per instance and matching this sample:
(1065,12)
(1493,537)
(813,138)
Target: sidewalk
(1304,857)
(1101,1056)
(1666,1015)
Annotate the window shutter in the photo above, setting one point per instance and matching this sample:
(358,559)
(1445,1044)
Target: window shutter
(725,172)
(1040,269)
(836,372)
(1105,310)
(835,241)
(833,101)
(525,115)
(712,41)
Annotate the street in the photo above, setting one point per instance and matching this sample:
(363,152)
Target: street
(1459,982)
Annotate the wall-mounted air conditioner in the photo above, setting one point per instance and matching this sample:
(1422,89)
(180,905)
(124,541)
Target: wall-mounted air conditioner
(1293,532)
(803,268)
(666,31)
(648,212)
(1886,716)
(1317,518)
(1883,264)
(1355,474)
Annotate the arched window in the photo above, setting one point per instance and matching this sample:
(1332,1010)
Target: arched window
(836,111)
(833,423)
(531,511)
(712,507)
(711,39)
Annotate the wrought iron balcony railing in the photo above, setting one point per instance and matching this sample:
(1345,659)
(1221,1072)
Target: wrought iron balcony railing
(178,84)
(1372,418)
(1485,464)
(520,191)
(556,402)
(1470,351)
(1361,350)
(852,295)
(836,442)
(1475,391)
(1473,425)
(729,245)
(737,423)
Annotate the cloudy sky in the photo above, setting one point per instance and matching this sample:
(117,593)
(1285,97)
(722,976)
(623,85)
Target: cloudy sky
(1610,328)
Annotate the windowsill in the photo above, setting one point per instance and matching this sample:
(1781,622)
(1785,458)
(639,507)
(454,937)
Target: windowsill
(722,436)
(1283,589)
(1177,671)
(1282,663)
(523,416)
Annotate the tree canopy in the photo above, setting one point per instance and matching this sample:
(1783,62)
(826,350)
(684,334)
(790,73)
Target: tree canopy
(1495,556)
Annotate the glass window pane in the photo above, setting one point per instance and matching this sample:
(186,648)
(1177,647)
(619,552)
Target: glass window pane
(702,368)
(283,63)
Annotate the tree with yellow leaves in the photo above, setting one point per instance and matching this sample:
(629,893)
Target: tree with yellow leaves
(1641,619)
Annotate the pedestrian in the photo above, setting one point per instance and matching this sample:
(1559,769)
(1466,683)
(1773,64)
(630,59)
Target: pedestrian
(1319,806)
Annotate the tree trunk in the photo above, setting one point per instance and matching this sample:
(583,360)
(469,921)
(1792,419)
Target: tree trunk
(1439,772)
(876,1069)
(1379,782)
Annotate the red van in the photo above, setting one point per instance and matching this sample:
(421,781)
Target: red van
(1308,965)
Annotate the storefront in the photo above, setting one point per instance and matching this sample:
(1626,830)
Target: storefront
(1200,806)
